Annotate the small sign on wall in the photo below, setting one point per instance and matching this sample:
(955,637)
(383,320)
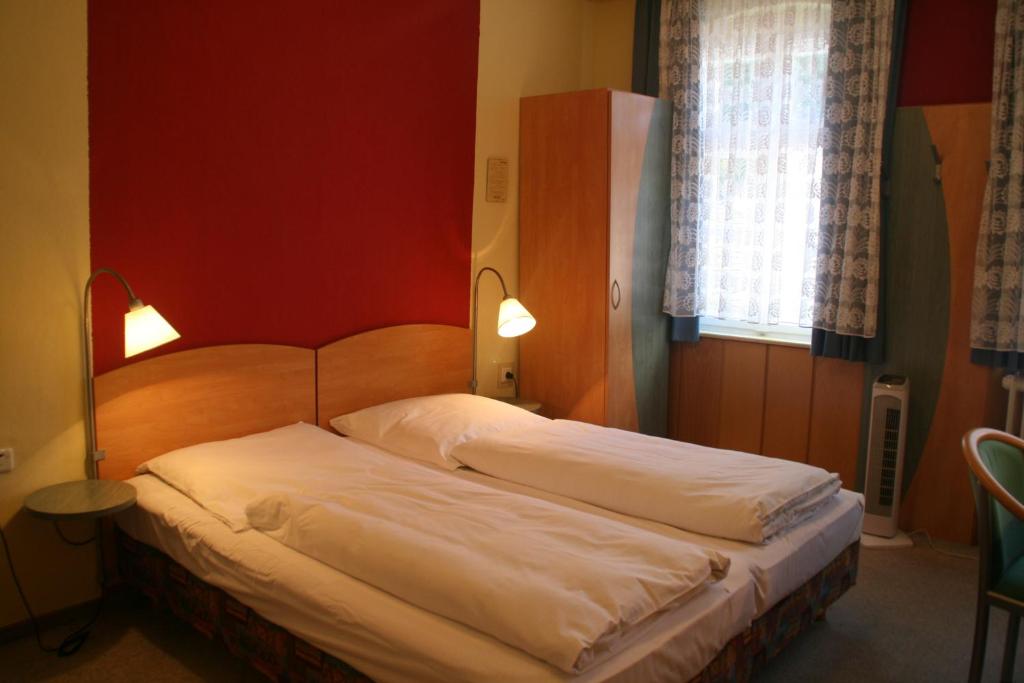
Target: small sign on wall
(497,179)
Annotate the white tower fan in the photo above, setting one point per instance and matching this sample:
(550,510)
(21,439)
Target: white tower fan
(883,478)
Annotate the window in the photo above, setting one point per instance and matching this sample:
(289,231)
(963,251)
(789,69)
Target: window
(762,72)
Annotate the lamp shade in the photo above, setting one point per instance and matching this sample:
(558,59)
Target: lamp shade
(145,329)
(514,319)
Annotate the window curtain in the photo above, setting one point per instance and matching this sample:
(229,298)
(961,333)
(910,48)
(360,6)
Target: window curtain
(679,82)
(997,328)
(860,104)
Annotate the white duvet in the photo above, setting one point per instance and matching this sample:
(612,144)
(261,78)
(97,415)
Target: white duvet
(705,490)
(559,584)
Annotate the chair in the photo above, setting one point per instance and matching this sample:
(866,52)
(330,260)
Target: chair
(996,461)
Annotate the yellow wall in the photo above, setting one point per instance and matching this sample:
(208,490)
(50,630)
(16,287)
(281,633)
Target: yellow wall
(530,47)
(607,44)
(44,259)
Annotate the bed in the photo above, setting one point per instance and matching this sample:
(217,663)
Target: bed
(311,622)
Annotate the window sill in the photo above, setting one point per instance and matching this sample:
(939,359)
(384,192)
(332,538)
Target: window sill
(758,339)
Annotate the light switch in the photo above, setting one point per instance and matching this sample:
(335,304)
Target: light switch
(497,179)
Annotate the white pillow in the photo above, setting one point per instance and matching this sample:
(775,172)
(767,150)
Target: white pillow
(427,428)
(208,472)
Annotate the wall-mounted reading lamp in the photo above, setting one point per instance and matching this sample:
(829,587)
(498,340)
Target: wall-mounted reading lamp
(144,329)
(513,318)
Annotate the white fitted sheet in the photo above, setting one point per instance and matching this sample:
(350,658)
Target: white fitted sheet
(391,640)
(778,568)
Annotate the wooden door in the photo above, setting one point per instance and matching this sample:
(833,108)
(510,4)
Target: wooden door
(630,121)
(638,353)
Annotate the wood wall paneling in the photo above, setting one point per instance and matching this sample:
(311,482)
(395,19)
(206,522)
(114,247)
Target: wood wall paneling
(741,416)
(768,399)
(939,498)
(836,398)
(697,392)
(916,322)
(675,386)
(787,404)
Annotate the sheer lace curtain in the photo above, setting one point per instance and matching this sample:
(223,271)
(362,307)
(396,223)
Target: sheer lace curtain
(759,99)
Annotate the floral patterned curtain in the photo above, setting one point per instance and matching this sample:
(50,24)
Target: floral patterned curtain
(996,322)
(746,78)
(679,68)
(857,83)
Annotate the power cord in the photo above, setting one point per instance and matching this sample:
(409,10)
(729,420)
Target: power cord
(515,382)
(928,540)
(69,541)
(74,640)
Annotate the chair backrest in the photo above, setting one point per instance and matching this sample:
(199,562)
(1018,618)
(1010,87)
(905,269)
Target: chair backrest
(996,461)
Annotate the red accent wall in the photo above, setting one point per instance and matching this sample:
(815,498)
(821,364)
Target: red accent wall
(281,171)
(947,56)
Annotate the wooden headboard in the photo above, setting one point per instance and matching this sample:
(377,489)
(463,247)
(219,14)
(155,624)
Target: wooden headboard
(390,364)
(208,394)
(222,392)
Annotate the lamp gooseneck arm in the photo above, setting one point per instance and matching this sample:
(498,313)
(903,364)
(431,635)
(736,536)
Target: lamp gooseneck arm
(476,314)
(133,300)
(90,396)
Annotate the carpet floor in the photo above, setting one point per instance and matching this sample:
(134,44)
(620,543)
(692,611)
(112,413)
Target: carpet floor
(909,618)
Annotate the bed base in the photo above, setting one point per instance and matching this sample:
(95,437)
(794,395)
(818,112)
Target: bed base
(281,656)
(769,634)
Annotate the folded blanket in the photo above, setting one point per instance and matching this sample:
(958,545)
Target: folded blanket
(706,490)
(560,584)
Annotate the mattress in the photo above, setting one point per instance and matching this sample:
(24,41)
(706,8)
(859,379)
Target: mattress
(778,568)
(390,640)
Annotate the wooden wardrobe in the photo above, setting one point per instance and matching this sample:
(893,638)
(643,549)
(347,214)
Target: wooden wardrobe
(593,247)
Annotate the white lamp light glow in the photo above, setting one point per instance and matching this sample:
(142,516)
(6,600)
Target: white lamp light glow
(513,318)
(145,329)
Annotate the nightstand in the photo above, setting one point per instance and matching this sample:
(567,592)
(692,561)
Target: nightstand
(86,499)
(83,499)
(531,406)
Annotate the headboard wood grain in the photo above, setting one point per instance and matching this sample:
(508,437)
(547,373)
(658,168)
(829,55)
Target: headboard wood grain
(207,394)
(391,363)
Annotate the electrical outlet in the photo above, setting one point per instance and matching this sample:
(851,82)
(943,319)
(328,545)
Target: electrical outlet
(504,371)
(6,459)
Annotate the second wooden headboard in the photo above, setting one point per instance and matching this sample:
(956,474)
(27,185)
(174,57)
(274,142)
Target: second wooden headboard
(391,363)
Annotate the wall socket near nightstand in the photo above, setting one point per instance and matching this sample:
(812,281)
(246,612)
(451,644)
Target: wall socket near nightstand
(503,370)
(6,459)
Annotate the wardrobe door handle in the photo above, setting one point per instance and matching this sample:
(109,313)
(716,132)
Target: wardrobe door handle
(616,295)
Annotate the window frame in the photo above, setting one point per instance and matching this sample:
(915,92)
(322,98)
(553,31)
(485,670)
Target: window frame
(786,335)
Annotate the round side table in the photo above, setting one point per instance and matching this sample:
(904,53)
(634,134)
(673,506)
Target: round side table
(83,499)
